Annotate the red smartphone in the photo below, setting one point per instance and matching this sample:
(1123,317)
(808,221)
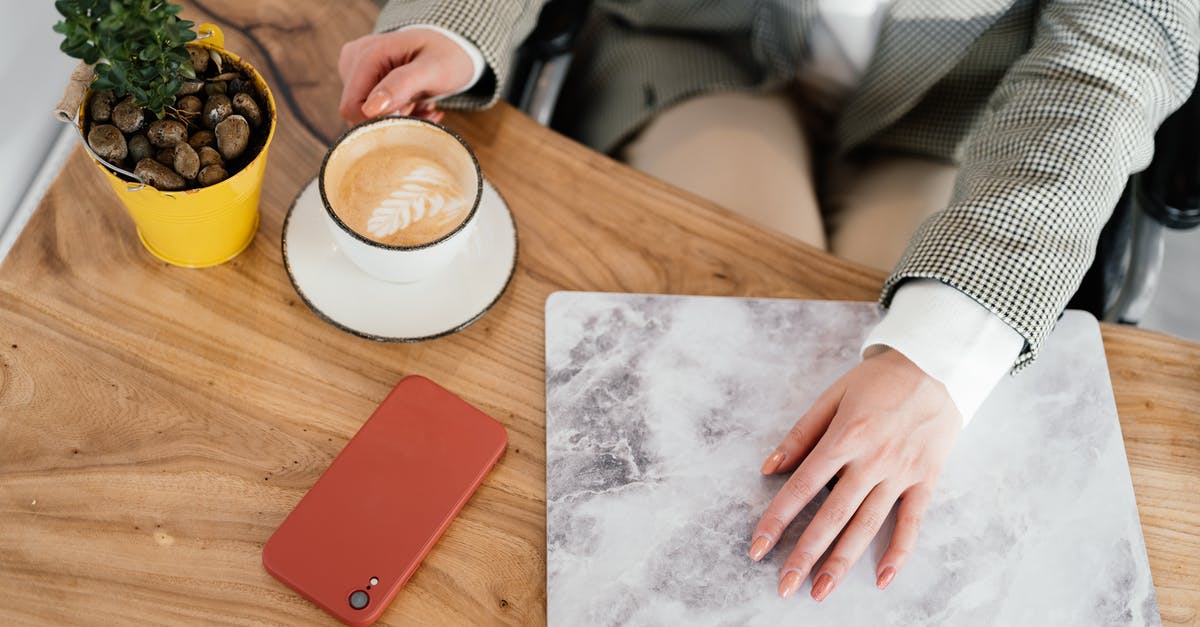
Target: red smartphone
(366,524)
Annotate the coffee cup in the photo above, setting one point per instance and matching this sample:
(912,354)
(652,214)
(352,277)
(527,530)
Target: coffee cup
(400,195)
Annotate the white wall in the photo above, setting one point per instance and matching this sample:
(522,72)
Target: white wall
(33,73)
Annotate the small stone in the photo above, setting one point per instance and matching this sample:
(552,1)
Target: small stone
(216,109)
(190,87)
(212,175)
(209,156)
(212,88)
(246,107)
(158,175)
(233,135)
(108,142)
(128,116)
(166,133)
(189,104)
(202,138)
(226,76)
(186,162)
(166,156)
(139,148)
(199,58)
(102,105)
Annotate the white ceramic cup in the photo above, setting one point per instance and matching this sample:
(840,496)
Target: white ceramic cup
(400,264)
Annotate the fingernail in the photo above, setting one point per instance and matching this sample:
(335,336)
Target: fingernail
(822,587)
(789,583)
(759,547)
(885,577)
(377,103)
(772,463)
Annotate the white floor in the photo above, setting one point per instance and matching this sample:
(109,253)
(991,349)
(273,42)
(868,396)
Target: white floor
(1176,305)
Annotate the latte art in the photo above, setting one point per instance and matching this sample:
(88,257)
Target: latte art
(427,193)
(402,195)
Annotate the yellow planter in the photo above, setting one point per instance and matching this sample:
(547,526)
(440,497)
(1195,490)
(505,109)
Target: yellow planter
(206,226)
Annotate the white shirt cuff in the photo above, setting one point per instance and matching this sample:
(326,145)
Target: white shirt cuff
(951,337)
(471,49)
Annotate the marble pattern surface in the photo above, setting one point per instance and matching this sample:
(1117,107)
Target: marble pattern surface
(660,411)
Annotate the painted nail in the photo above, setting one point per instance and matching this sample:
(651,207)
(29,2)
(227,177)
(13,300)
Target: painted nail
(789,583)
(772,463)
(885,577)
(759,547)
(822,586)
(377,103)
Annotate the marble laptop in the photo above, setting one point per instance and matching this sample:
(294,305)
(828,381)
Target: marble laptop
(660,410)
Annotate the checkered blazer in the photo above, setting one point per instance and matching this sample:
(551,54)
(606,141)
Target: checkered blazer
(1048,105)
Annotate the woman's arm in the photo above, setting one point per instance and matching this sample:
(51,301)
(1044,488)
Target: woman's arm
(1069,123)
(400,65)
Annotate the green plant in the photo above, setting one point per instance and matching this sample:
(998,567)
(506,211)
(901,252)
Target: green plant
(137,46)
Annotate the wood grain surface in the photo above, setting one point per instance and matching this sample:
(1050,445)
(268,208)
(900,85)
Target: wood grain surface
(158,423)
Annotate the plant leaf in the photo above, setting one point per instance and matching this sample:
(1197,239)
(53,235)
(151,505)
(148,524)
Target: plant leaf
(138,44)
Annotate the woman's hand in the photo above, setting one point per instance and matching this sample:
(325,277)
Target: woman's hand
(399,72)
(884,429)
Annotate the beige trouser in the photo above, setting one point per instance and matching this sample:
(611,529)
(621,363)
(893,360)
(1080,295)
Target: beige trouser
(751,153)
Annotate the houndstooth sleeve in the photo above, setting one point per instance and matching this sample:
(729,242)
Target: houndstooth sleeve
(496,27)
(1072,119)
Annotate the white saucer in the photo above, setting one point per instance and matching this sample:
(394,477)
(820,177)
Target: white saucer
(353,301)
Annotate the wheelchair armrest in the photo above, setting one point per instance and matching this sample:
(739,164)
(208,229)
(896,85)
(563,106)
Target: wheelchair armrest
(558,26)
(1169,189)
(541,63)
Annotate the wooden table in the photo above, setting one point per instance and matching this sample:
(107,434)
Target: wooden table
(157,423)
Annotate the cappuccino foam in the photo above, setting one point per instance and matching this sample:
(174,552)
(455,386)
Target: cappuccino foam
(402,185)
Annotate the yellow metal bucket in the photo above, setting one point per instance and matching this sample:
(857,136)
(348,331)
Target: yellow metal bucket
(206,226)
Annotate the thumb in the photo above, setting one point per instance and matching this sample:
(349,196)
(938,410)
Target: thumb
(399,89)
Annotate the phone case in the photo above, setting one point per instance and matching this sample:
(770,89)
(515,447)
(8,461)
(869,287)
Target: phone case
(369,520)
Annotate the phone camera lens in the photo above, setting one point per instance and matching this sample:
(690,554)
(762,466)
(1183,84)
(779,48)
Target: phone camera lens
(359,599)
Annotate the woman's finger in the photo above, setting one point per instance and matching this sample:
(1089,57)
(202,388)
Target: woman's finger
(804,484)
(428,109)
(398,89)
(803,435)
(909,515)
(829,521)
(366,67)
(347,57)
(854,541)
